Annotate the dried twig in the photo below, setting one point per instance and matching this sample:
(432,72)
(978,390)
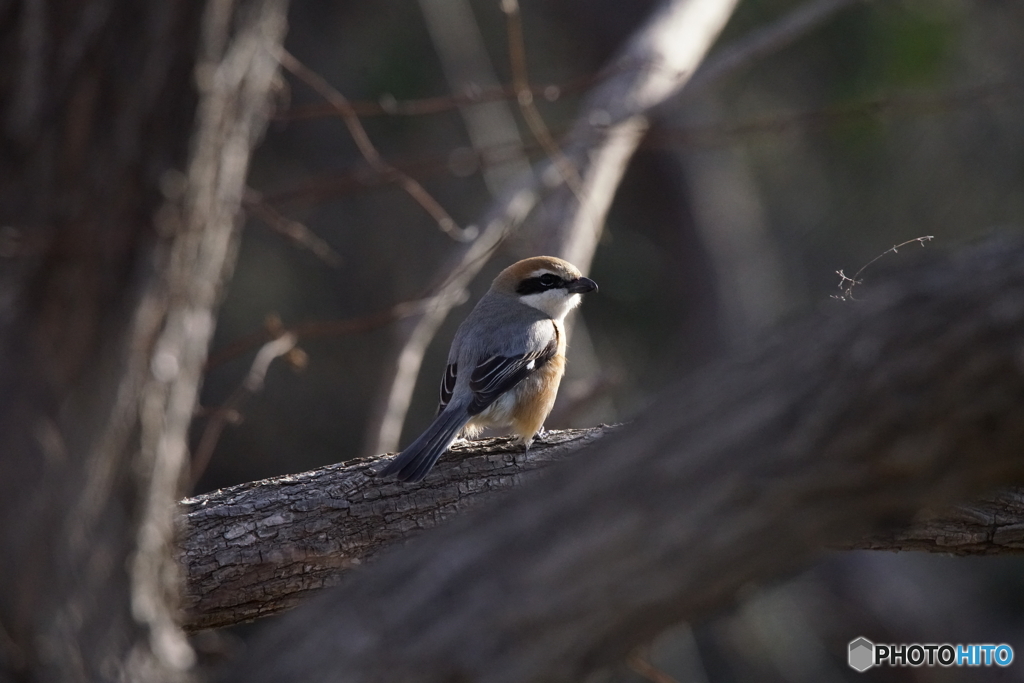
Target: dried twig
(229,412)
(461,48)
(524,96)
(847,283)
(639,661)
(914,103)
(696,136)
(387,105)
(319,328)
(369,152)
(762,42)
(293,230)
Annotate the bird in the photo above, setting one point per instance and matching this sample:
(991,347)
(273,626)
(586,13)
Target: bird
(505,363)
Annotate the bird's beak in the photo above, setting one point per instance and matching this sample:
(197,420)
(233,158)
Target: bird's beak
(581,285)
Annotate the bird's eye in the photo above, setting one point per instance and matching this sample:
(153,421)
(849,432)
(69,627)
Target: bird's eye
(549,280)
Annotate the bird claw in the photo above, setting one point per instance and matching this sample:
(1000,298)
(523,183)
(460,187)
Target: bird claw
(528,441)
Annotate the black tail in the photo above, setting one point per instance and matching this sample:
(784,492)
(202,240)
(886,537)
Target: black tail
(415,461)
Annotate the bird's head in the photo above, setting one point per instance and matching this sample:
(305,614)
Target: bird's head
(546,283)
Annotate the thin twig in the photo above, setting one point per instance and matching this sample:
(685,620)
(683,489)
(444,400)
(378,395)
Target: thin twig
(293,230)
(524,96)
(914,103)
(847,283)
(229,411)
(319,328)
(370,153)
(762,42)
(696,136)
(639,661)
(389,106)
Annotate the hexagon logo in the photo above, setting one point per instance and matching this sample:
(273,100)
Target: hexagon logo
(861,654)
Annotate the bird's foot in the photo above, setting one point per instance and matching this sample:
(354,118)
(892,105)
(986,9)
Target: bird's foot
(527,441)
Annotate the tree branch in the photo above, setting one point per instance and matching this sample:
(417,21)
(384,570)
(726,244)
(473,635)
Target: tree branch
(993,525)
(258,548)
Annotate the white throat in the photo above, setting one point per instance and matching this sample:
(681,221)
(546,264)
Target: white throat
(556,303)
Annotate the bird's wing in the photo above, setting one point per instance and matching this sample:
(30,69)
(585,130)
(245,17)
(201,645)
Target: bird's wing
(451,373)
(495,375)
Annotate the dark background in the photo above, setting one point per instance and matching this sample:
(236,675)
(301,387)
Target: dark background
(896,120)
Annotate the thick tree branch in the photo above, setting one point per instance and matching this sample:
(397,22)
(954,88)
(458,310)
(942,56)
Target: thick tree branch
(993,525)
(258,548)
(847,425)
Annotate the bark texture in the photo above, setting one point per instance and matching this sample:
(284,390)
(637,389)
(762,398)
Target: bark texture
(848,424)
(992,525)
(258,548)
(114,244)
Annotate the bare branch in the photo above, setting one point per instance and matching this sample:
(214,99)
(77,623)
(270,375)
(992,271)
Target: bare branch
(639,661)
(255,549)
(490,123)
(695,136)
(293,230)
(318,328)
(848,283)
(229,412)
(757,45)
(524,95)
(369,152)
(654,64)
(389,106)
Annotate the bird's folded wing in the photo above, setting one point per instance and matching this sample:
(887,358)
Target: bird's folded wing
(497,374)
(451,373)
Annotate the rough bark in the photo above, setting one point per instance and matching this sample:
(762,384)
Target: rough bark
(255,549)
(992,525)
(850,423)
(113,246)
(258,548)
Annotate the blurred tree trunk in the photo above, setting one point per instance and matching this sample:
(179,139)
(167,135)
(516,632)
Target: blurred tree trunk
(114,242)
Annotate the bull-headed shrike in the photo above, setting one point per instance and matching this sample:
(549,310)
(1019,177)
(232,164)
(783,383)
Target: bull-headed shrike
(506,361)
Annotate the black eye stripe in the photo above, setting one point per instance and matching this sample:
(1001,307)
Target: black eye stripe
(541,283)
